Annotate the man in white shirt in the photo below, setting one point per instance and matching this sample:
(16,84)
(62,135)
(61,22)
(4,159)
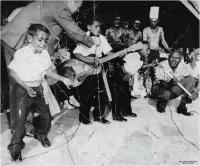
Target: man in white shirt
(28,68)
(165,88)
(92,91)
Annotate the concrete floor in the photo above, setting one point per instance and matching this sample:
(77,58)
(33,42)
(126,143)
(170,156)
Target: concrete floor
(150,139)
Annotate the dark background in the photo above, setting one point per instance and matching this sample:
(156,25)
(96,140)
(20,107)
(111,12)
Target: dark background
(181,27)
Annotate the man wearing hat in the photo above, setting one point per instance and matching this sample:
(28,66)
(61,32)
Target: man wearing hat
(154,34)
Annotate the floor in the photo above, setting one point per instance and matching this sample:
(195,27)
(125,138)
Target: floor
(150,139)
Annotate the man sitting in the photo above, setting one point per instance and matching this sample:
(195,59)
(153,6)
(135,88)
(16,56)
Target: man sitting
(165,88)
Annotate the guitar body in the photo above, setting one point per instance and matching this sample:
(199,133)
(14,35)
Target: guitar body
(78,71)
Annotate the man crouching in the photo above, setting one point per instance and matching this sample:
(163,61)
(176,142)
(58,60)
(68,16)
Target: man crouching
(165,87)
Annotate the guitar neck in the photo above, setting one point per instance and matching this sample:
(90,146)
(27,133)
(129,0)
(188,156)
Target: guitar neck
(115,55)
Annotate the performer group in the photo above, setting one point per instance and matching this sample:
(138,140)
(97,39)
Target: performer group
(102,69)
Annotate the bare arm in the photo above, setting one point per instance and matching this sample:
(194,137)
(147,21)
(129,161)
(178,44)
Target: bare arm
(163,41)
(90,61)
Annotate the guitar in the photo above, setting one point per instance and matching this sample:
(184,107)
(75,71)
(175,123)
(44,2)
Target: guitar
(78,71)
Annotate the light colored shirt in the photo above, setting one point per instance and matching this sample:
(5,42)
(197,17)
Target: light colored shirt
(30,66)
(181,71)
(196,70)
(85,51)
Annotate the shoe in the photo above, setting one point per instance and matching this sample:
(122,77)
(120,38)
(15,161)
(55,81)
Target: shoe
(43,139)
(160,106)
(30,133)
(130,114)
(67,105)
(15,151)
(119,118)
(73,101)
(102,120)
(182,109)
(85,121)
(16,156)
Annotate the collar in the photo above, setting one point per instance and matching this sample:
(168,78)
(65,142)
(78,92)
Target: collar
(33,49)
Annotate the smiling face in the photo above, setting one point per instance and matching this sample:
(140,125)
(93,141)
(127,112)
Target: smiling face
(136,24)
(39,40)
(175,59)
(95,28)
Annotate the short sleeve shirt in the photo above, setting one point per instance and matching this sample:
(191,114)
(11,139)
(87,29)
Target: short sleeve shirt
(30,66)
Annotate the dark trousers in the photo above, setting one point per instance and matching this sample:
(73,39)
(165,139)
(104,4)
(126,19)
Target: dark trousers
(23,102)
(121,95)
(91,93)
(61,92)
(165,91)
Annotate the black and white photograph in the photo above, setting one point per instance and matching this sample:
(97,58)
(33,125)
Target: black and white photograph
(100,83)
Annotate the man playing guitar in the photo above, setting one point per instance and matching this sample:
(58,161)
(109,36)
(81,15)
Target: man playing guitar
(92,87)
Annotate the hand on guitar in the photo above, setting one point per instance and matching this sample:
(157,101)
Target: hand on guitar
(96,62)
(67,82)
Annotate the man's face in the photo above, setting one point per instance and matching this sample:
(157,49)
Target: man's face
(74,5)
(174,59)
(136,25)
(95,28)
(153,23)
(117,22)
(145,51)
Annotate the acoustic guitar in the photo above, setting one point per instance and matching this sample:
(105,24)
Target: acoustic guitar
(78,71)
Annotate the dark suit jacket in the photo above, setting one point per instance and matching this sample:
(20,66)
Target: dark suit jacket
(55,15)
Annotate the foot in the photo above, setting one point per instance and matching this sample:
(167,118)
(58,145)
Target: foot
(119,118)
(85,121)
(30,133)
(130,114)
(15,151)
(43,140)
(73,101)
(16,156)
(102,120)
(160,106)
(182,109)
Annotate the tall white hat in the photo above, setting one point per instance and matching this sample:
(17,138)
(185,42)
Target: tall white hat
(154,13)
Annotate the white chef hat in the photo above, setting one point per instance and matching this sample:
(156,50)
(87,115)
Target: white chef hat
(154,13)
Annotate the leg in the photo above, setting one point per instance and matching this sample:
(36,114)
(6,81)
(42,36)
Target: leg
(99,101)
(189,83)
(17,144)
(162,94)
(126,100)
(42,123)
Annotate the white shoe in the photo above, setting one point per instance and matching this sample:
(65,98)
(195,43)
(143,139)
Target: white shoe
(66,105)
(73,101)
